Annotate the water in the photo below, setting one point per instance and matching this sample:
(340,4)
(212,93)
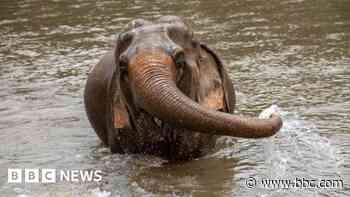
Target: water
(293,53)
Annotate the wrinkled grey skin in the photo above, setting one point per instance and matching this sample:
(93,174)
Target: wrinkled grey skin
(162,92)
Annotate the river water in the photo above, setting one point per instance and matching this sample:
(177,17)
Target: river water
(291,53)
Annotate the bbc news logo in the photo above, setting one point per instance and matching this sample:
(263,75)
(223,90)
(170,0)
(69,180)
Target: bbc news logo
(52,175)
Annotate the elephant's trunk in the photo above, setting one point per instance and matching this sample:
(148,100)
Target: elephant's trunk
(153,77)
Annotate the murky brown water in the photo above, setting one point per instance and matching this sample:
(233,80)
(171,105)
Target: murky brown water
(293,53)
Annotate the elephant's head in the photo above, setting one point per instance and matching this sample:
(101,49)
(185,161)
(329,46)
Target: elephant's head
(152,61)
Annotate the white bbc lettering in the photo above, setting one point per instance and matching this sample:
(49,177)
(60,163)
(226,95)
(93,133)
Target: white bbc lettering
(48,175)
(65,175)
(51,175)
(86,175)
(98,176)
(14,175)
(31,175)
(74,175)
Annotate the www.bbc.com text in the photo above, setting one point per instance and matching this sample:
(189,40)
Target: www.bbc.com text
(296,183)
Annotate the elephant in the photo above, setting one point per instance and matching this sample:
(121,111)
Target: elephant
(160,91)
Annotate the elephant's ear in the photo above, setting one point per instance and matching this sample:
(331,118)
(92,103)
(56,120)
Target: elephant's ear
(228,89)
(119,117)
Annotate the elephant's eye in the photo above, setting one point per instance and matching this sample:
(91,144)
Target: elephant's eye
(179,57)
(123,63)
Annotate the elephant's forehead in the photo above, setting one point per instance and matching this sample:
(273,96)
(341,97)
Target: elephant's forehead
(153,28)
(161,20)
(141,25)
(170,19)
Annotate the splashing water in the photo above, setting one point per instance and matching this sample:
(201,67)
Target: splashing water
(302,140)
(274,157)
(98,193)
(298,151)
